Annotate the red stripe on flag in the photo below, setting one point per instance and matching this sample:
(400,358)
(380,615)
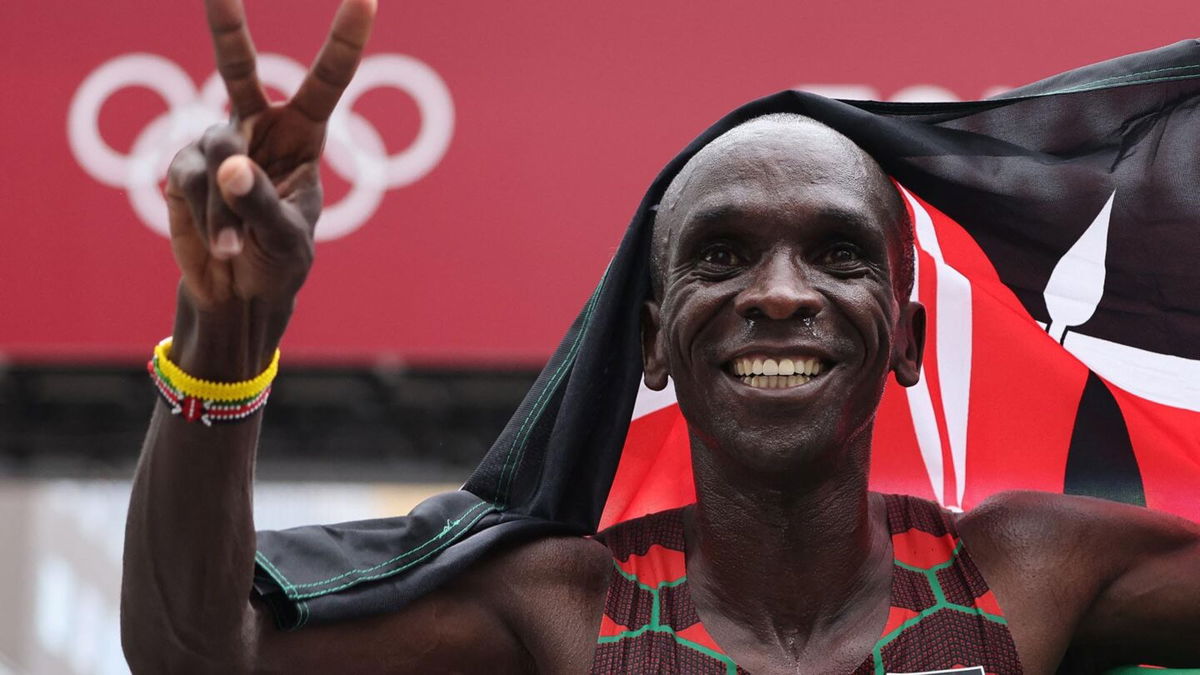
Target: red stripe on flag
(655,471)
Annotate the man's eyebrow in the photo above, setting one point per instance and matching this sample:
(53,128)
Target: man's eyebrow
(856,221)
(714,215)
(707,222)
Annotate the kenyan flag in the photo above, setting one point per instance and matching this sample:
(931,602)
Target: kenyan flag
(1058,236)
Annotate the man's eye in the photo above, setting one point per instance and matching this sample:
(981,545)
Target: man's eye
(843,254)
(720,256)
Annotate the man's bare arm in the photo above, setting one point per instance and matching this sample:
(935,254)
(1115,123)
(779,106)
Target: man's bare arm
(1095,582)
(243,201)
(1149,609)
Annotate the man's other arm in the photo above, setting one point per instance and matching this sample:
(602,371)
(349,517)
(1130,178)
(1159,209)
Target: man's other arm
(243,202)
(1091,582)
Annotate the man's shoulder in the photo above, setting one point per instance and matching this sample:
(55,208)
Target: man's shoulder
(547,562)
(1030,516)
(1072,570)
(1044,533)
(1021,514)
(1037,525)
(550,592)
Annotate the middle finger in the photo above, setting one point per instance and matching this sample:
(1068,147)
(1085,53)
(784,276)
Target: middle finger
(339,57)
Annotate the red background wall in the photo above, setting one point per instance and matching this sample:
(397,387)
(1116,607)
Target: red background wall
(563,114)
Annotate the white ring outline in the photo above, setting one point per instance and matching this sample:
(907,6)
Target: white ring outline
(355,150)
(151,71)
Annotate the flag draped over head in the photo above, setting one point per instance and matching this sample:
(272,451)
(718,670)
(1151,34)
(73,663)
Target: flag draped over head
(1057,232)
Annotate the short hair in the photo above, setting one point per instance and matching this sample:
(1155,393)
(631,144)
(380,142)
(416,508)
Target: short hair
(901,223)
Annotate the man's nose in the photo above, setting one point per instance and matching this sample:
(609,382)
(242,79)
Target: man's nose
(779,289)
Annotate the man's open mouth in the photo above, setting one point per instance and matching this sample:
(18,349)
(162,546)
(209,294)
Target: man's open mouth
(761,372)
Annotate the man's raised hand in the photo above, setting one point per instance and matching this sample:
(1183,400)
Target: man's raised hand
(244,199)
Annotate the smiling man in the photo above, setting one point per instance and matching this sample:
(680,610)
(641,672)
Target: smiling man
(779,307)
(782,275)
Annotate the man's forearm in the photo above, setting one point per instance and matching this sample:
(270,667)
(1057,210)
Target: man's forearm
(189,543)
(189,547)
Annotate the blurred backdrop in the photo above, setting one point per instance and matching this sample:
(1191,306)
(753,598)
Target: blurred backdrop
(478,175)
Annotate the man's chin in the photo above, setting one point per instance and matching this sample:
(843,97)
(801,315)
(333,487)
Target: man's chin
(774,453)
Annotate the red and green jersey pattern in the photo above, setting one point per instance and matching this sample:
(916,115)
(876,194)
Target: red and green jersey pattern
(942,614)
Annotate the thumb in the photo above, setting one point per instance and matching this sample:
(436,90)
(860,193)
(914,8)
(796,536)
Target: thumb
(249,193)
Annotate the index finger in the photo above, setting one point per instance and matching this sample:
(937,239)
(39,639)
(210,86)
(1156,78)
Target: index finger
(337,61)
(235,56)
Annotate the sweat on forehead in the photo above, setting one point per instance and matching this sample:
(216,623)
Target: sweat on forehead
(752,142)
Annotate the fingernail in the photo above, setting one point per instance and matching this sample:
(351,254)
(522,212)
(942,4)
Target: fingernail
(235,175)
(228,244)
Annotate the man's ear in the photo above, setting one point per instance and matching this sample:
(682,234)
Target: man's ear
(909,348)
(654,360)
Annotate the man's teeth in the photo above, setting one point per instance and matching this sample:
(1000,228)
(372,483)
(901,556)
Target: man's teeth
(774,381)
(760,366)
(767,373)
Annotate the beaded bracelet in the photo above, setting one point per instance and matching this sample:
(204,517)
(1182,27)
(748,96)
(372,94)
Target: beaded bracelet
(195,399)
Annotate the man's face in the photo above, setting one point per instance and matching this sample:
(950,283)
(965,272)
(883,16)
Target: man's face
(779,261)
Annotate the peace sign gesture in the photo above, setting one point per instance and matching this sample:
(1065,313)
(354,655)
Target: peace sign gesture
(244,199)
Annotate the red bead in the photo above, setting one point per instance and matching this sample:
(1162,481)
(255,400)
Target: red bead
(192,407)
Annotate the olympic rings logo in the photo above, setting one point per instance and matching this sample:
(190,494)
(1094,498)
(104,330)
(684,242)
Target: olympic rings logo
(354,148)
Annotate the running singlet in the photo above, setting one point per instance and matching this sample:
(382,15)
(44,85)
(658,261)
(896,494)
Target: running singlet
(942,615)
